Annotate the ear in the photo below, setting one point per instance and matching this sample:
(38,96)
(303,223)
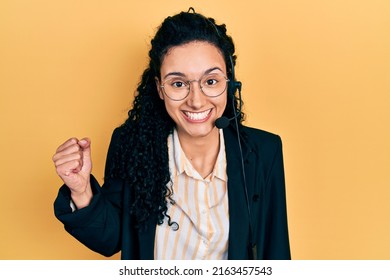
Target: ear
(159,89)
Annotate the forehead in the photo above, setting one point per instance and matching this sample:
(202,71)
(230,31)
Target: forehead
(192,58)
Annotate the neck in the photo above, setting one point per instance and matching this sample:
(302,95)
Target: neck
(201,151)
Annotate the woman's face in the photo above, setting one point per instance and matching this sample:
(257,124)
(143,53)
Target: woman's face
(195,115)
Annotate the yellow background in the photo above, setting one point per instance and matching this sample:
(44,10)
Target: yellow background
(315,72)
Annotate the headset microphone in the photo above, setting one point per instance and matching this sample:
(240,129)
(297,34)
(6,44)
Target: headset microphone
(222,122)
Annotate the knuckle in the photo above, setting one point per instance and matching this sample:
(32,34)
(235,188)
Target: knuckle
(72,140)
(76,163)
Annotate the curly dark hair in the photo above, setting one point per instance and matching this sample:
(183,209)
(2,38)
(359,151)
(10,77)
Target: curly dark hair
(142,154)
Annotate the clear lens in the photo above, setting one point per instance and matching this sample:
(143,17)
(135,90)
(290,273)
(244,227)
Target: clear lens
(212,85)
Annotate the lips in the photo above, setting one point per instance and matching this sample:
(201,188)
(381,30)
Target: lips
(197,116)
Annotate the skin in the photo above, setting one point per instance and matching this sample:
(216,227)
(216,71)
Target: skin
(199,138)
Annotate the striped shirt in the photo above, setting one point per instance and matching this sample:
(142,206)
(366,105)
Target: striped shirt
(200,209)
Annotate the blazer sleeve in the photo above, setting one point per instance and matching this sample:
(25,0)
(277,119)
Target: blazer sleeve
(98,225)
(277,238)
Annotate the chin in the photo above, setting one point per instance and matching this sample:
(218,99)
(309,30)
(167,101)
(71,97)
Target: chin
(201,131)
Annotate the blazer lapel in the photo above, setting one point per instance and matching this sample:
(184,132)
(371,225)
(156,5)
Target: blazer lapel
(238,212)
(146,240)
(136,243)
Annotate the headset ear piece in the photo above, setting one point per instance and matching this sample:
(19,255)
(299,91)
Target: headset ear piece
(238,85)
(233,86)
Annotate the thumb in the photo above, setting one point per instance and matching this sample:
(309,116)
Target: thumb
(85,144)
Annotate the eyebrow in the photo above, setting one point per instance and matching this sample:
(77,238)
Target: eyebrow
(180,74)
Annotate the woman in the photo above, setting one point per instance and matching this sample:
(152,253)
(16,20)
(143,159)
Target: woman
(177,186)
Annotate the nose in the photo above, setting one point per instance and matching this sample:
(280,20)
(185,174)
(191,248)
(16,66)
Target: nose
(196,98)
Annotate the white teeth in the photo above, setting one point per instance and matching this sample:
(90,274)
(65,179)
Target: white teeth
(197,116)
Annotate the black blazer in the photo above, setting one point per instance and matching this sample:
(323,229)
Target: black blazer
(107,227)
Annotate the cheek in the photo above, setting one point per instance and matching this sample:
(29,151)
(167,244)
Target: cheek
(222,105)
(171,108)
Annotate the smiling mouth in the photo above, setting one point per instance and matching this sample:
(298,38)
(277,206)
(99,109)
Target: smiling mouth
(197,117)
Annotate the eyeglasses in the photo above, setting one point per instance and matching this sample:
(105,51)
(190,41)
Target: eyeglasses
(211,84)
